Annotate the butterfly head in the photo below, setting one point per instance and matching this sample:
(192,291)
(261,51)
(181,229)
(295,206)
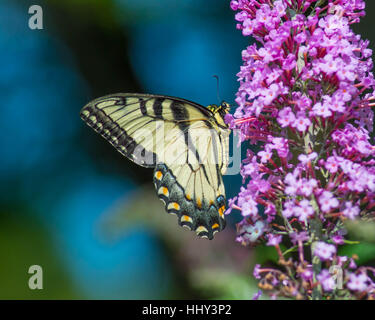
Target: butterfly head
(220,111)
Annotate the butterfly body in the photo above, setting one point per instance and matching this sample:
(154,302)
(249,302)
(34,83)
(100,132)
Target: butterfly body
(186,143)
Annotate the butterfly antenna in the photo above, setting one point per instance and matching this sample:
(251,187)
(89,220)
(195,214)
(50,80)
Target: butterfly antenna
(217,88)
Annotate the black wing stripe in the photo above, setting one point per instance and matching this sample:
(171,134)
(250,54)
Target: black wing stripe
(218,174)
(158,108)
(142,104)
(179,111)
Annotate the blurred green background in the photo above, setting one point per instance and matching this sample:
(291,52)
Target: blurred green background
(72,204)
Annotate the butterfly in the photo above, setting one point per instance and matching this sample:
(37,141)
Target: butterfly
(186,144)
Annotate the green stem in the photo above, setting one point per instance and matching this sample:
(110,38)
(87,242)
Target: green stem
(316,233)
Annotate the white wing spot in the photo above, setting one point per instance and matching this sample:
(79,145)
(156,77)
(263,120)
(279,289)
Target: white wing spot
(85,113)
(92,118)
(163,191)
(201,229)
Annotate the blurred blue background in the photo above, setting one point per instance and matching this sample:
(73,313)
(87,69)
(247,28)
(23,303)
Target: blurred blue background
(72,204)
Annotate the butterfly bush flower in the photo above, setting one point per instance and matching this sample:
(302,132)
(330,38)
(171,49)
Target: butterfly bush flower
(324,250)
(306,100)
(358,282)
(326,280)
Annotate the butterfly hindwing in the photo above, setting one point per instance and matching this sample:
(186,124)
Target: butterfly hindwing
(195,213)
(182,140)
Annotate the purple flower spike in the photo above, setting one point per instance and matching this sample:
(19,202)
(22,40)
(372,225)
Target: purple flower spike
(306,100)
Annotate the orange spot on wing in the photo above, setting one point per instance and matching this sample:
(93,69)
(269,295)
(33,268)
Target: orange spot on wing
(188,197)
(221,211)
(176,206)
(199,203)
(201,229)
(159,175)
(186,218)
(216,225)
(165,191)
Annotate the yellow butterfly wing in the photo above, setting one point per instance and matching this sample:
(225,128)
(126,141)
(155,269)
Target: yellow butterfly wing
(183,141)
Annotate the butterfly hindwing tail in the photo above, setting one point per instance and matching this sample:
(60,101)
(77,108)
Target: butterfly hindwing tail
(205,219)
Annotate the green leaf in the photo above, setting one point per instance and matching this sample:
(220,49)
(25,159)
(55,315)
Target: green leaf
(265,254)
(364,251)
